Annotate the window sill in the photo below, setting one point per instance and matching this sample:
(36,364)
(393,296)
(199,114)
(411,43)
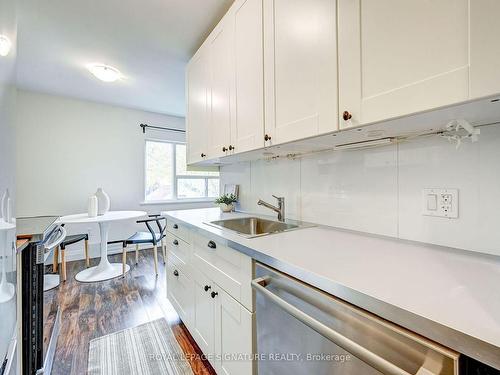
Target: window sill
(177,201)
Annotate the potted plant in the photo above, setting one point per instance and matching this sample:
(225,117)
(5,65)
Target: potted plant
(226,202)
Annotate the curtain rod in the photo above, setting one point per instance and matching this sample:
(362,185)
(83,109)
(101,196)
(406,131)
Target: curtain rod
(144,126)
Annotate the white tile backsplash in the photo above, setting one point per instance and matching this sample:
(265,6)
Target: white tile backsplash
(348,189)
(434,163)
(379,190)
(278,177)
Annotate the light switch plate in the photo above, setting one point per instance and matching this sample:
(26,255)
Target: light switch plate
(440,202)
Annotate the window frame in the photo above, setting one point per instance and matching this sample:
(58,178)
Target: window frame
(175,177)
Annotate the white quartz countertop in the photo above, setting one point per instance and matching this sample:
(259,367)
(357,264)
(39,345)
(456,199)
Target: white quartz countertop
(459,290)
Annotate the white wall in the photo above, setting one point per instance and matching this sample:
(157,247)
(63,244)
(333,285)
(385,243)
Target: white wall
(8,27)
(380,190)
(66,148)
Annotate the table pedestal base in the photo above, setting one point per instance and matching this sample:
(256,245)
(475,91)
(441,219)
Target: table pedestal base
(100,273)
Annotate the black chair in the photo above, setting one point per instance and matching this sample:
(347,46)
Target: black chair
(150,237)
(69,240)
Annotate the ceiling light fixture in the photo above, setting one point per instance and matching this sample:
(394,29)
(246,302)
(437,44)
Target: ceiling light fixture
(5,45)
(104,72)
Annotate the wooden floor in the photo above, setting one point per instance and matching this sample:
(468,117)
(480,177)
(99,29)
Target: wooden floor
(91,310)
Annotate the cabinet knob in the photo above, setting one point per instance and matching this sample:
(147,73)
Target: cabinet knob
(231,147)
(346,115)
(224,149)
(211,244)
(203,155)
(267,138)
(214,294)
(175,242)
(175,226)
(207,287)
(176,273)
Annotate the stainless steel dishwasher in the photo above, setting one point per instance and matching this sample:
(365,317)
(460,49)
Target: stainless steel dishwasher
(301,330)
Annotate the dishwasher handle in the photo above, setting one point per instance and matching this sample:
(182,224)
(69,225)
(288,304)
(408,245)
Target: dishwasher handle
(352,347)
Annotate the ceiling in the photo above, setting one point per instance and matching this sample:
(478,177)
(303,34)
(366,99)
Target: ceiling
(149,41)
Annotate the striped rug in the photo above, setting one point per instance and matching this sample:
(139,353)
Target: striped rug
(148,349)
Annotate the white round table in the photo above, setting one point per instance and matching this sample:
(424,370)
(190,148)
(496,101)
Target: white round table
(105,270)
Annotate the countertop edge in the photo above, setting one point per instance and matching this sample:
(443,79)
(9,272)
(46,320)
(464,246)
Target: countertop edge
(461,342)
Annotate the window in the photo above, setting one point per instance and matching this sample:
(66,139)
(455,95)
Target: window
(167,177)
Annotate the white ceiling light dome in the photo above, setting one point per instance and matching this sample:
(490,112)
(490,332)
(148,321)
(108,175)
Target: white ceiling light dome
(105,73)
(5,45)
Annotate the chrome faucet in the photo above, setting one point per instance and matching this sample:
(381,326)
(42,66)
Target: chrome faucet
(280,209)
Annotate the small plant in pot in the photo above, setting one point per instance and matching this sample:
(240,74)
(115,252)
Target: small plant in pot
(226,202)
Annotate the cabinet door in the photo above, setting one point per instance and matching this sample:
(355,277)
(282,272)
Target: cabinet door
(198,114)
(485,48)
(400,57)
(220,45)
(180,290)
(204,315)
(248,126)
(234,333)
(300,40)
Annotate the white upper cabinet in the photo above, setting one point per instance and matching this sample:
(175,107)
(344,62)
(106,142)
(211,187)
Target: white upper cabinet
(221,75)
(400,57)
(248,125)
(485,48)
(198,106)
(300,68)
(277,71)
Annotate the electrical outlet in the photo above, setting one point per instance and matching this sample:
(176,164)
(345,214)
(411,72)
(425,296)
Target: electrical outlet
(440,203)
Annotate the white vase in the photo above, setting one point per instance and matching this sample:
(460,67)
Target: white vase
(93,203)
(103,201)
(8,211)
(226,207)
(5,204)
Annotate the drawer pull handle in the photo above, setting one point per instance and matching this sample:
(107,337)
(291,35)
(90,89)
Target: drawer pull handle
(212,245)
(175,242)
(176,273)
(207,287)
(214,294)
(176,226)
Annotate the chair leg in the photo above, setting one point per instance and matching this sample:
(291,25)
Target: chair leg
(124,260)
(63,263)
(164,251)
(87,258)
(155,251)
(55,261)
(137,254)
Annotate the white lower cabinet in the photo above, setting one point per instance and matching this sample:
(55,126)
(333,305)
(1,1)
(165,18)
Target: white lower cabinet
(179,290)
(219,314)
(233,336)
(203,329)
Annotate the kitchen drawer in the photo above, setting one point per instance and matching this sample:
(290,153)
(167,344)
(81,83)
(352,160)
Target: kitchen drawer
(179,229)
(186,268)
(230,269)
(180,291)
(178,247)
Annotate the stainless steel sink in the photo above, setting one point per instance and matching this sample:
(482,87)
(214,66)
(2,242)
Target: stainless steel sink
(253,226)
